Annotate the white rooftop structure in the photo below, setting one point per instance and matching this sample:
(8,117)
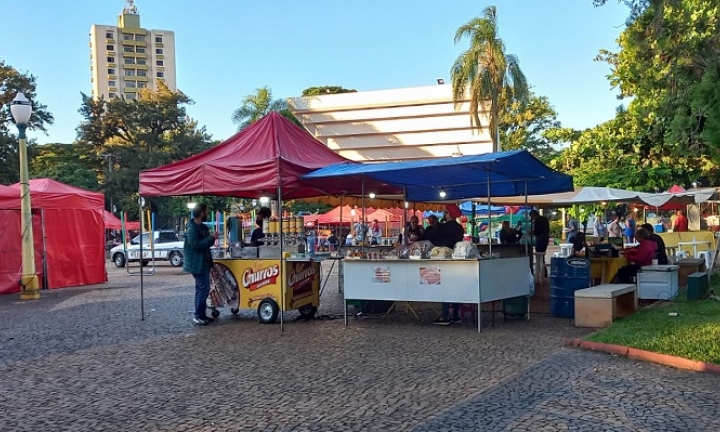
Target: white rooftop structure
(398,124)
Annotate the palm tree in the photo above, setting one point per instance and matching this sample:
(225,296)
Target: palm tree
(487,72)
(257,105)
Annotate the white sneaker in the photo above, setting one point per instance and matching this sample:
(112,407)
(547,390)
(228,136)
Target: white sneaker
(200,321)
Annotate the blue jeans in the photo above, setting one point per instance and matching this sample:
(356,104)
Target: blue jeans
(202,289)
(446,311)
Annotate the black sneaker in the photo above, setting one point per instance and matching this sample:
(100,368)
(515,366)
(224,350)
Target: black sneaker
(201,321)
(456,321)
(208,319)
(441,322)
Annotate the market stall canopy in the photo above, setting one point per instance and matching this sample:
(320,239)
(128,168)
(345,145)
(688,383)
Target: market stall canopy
(51,194)
(272,152)
(333,216)
(114,223)
(695,196)
(501,174)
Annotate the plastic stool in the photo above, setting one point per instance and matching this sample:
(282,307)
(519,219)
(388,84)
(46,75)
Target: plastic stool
(707,256)
(680,255)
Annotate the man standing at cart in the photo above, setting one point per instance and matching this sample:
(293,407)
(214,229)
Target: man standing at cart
(197,260)
(450,234)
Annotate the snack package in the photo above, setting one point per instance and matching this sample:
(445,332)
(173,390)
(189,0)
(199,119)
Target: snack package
(465,250)
(441,252)
(400,252)
(421,249)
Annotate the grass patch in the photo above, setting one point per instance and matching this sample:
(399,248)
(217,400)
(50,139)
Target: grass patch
(693,334)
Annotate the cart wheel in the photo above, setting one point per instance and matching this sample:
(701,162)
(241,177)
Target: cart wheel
(268,311)
(307,311)
(234,311)
(215,313)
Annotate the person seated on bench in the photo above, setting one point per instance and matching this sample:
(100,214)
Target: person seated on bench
(638,256)
(661,254)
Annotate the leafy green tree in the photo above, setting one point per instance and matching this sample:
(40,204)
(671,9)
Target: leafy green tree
(487,72)
(531,125)
(319,91)
(67,163)
(151,131)
(12,82)
(259,104)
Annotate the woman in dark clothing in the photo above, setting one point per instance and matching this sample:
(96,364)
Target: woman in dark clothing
(258,234)
(415,232)
(508,235)
(661,254)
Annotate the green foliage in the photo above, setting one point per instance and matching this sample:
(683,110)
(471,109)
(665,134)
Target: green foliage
(151,131)
(319,91)
(486,72)
(259,104)
(67,163)
(531,125)
(668,64)
(12,82)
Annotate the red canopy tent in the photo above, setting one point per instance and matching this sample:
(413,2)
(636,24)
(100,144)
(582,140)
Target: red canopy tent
(271,153)
(68,232)
(114,223)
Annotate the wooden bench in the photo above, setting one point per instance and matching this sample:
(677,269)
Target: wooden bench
(598,306)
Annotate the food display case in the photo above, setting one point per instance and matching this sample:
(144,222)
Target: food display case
(455,280)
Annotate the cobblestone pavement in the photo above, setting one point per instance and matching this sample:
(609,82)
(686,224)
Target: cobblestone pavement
(82,360)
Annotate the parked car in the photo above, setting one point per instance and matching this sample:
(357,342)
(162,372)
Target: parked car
(166,247)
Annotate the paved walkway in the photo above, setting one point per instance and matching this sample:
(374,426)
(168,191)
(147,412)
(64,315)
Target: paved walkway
(82,360)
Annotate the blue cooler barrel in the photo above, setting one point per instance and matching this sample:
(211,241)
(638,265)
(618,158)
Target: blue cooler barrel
(567,275)
(659,228)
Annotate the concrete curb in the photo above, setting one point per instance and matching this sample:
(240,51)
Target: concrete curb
(648,356)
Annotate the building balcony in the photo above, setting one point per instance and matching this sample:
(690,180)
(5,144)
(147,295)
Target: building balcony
(112,89)
(142,78)
(130,90)
(110,53)
(141,55)
(112,77)
(159,45)
(109,41)
(112,65)
(134,31)
(135,43)
(159,57)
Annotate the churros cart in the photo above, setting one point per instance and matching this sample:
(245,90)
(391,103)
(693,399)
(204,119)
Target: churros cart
(265,279)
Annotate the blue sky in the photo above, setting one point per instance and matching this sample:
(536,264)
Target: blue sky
(226,49)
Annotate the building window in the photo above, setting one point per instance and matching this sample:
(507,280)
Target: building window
(139,38)
(129,60)
(142,73)
(129,95)
(111,59)
(142,84)
(159,63)
(140,49)
(141,61)
(111,83)
(130,84)
(158,39)
(128,48)
(111,71)
(161,75)
(129,72)
(108,35)
(112,95)
(127,37)
(158,51)
(110,47)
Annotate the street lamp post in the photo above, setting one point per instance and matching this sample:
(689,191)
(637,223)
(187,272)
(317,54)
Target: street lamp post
(191,206)
(21,110)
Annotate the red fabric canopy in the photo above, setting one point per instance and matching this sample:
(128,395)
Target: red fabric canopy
(114,223)
(68,232)
(332,217)
(676,189)
(51,194)
(272,152)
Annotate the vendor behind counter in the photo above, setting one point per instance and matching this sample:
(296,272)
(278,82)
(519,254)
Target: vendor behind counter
(258,234)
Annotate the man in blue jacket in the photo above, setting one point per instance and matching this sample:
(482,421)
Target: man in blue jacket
(197,260)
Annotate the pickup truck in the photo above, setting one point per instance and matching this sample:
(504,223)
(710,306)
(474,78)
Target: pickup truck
(166,245)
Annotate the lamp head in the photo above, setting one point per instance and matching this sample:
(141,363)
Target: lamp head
(264,200)
(443,194)
(191,205)
(372,195)
(21,109)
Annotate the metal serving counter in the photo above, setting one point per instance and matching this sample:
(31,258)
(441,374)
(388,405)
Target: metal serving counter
(428,280)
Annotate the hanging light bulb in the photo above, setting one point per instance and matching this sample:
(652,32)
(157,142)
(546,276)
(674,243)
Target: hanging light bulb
(442,193)
(372,195)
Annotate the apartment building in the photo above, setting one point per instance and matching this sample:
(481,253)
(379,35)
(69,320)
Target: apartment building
(125,59)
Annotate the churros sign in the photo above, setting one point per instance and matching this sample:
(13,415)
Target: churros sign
(258,276)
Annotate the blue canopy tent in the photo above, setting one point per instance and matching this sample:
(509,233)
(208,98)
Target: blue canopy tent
(512,173)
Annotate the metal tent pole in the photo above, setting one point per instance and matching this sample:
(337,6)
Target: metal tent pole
(362,216)
(489,204)
(141,201)
(527,215)
(283,284)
